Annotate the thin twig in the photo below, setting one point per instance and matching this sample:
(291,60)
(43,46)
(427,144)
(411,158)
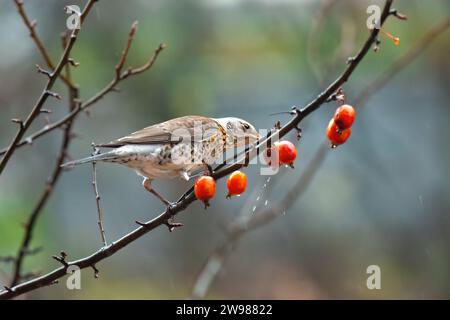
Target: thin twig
(188,197)
(416,50)
(31,25)
(46,92)
(91,101)
(216,259)
(51,182)
(49,187)
(97,199)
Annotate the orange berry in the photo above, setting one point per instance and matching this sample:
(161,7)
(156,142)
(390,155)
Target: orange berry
(287,152)
(236,183)
(337,136)
(205,188)
(344,116)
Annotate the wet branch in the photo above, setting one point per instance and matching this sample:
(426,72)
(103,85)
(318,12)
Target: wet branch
(25,124)
(245,223)
(188,197)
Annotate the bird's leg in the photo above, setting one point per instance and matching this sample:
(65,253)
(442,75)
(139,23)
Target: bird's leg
(170,223)
(147,183)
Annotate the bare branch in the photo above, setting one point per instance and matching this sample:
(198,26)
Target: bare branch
(44,95)
(244,223)
(39,44)
(111,87)
(188,197)
(97,199)
(416,50)
(50,185)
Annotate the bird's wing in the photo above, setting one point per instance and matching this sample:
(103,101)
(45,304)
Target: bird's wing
(171,132)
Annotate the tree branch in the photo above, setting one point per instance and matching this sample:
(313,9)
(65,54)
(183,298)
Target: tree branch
(91,101)
(188,197)
(47,90)
(50,184)
(216,259)
(37,40)
(245,223)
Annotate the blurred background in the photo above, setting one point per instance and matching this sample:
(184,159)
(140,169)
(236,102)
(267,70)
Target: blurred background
(382,198)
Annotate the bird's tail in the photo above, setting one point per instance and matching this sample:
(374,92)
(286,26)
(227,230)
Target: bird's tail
(98,157)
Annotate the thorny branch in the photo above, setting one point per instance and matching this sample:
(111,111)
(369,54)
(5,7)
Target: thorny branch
(244,223)
(51,182)
(97,199)
(188,197)
(25,125)
(74,109)
(112,86)
(31,25)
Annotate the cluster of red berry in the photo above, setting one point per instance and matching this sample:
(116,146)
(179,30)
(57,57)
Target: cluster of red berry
(205,186)
(340,127)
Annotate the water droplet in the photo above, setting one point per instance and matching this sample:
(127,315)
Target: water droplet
(257,199)
(254,208)
(265,203)
(284,212)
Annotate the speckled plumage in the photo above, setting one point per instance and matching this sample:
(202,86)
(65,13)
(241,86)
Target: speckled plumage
(176,148)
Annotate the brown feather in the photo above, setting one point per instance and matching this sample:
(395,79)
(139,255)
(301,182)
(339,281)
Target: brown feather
(162,133)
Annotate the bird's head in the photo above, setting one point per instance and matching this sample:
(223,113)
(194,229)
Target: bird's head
(239,132)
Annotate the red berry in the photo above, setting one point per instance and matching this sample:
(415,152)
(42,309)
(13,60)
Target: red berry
(336,135)
(205,188)
(287,152)
(344,116)
(236,183)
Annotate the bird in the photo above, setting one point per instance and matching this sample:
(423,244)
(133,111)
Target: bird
(179,147)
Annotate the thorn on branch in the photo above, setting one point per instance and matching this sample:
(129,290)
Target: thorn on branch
(398,15)
(173,225)
(96,271)
(72,62)
(377,44)
(18,121)
(299,132)
(350,60)
(45,111)
(53,94)
(8,289)
(142,224)
(61,258)
(43,71)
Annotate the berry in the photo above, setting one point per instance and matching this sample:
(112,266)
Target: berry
(236,183)
(205,188)
(337,136)
(287,152)
(344,116)
(283,152)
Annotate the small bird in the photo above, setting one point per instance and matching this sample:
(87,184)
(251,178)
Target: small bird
(175,148)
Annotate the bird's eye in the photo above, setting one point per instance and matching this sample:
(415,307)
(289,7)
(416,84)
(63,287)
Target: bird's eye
(246,126)
(229,126)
